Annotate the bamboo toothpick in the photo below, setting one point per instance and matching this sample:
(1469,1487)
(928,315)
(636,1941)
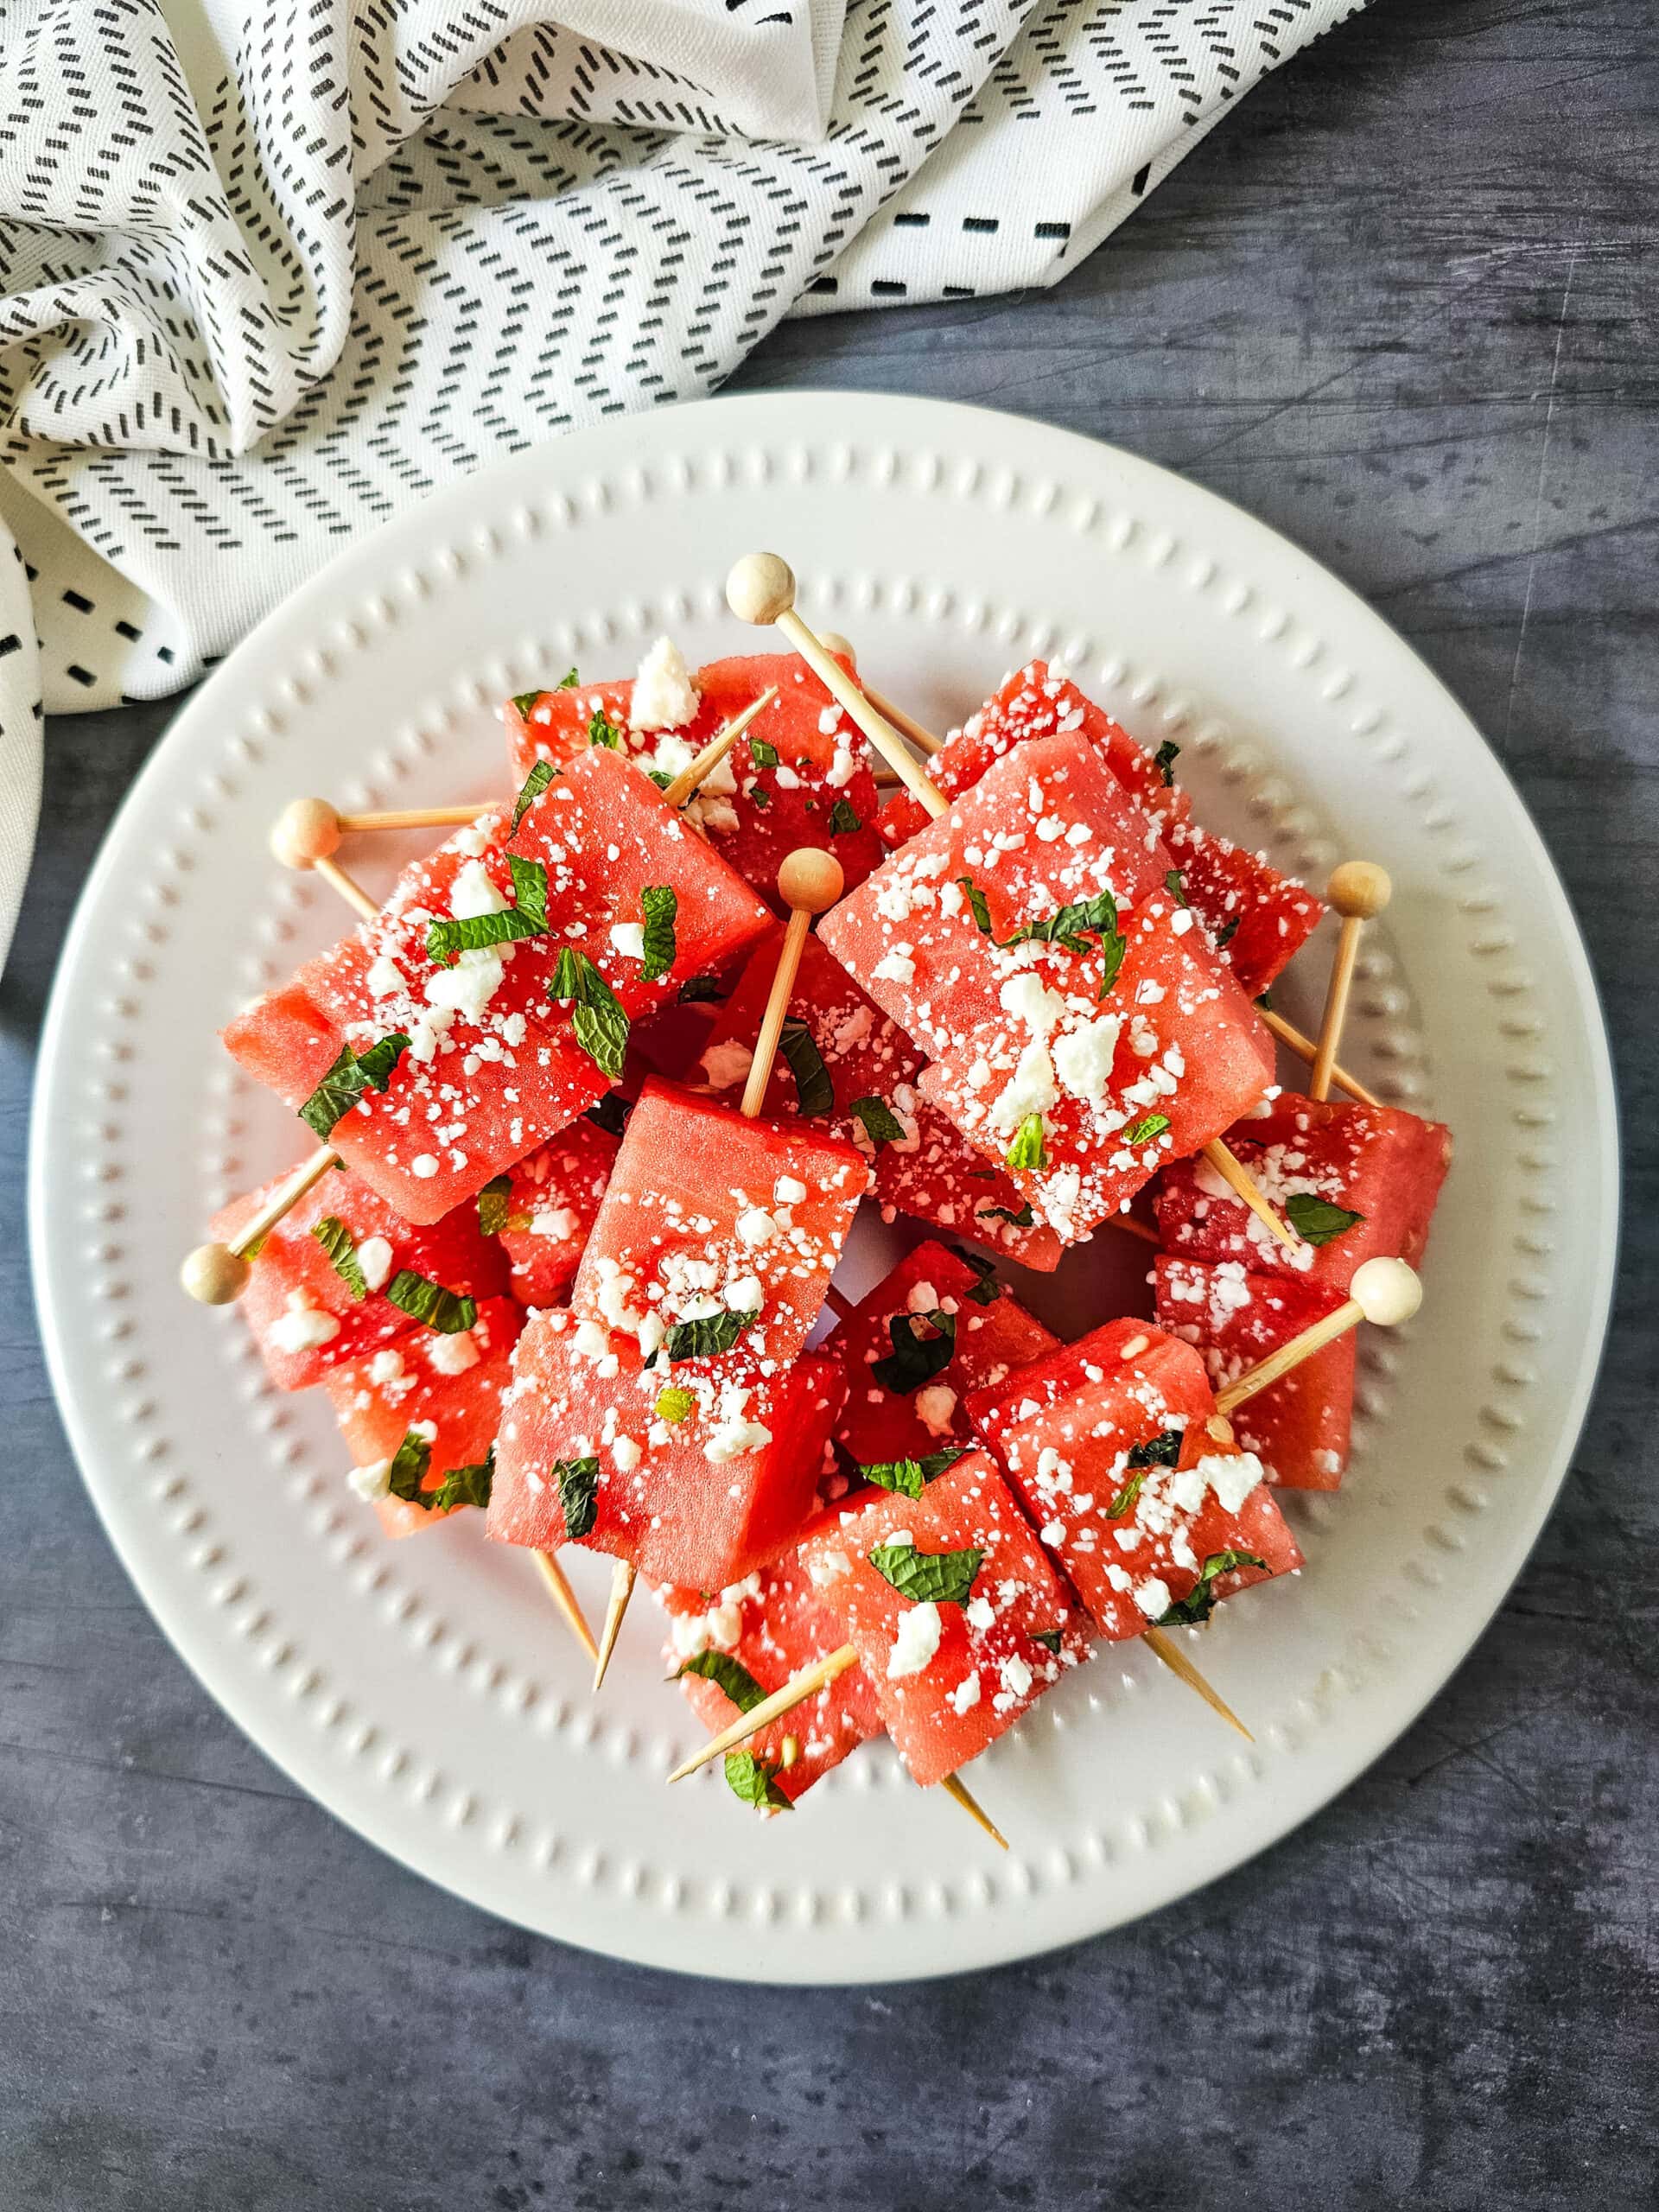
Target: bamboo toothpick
(917,733)
(1305,1049)
(954,1786)
(217,1274)
(1358,890)
(1385,1292)
(623,1576)
(714,751)
(1242,1183)
(565,1598)
(1164,1647)
(812,1678)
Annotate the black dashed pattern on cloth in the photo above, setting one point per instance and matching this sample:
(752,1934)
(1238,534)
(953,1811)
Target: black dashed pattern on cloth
(270,274)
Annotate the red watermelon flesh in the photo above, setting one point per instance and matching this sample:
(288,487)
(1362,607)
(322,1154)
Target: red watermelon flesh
(754,810)
(707,1212)
(1298,1426)
(950,1676)
(1385,1165)
(1256,916)
(932,1171)
(553,1199)
(700,1487)
(773,1623)
(1134,1539)
(447,1389)
(303,1313)
(494,1067)
(1164,1061)
(992,1333)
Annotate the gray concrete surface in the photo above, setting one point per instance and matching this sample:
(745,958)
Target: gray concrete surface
(1395,305)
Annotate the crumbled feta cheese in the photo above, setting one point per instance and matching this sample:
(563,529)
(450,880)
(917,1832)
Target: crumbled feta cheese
(453,1355)
(934,1408)
(386,979)
(755,1227)
(664,696)
(1083,1059)
(917,1640)
(788,1191)
(626,1454)
(1028,999)
(473,894)
(744,1295)
(965,1696)
(727,1064)
(374,1257)
(303,1326)
(629,938)
(1232,1476)
(1153,1598)
(371,1482)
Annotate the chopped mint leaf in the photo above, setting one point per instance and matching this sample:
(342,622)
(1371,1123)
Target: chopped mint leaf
(1164,757)
(881,1125)
(601,730)
(352,1074)
(936,1578)
(1112,950)
(600,1026)
(569,681)
(578,1482)
(611,1114)
(755,1782)
(660,777)
(1122,1500)
(462,1486)
(530,790)
(524,701)
(909,1477)
(759,795)
(1201,1600)
(1226,933)
(1023,1219)
(706,1337)
(675,1405)
(1050,1638)
(702,990)
(1144,1130)
(1175,887)
(976,900)
(813,1088)
(493,1210)
(447,1311)
(1163,1450)
(843,820)
(408,1467)
(1314,1219)
(1028,1148)
(660,903)
(726,1674)
(916,1359)
(1071,925)
(986,1291)
(762,754)
(337,1241)
(526,918)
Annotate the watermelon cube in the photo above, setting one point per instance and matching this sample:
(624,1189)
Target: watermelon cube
(960,1622)
(1255,918)
(938,1327)
(478,1062)
(850,1064)
(550,1203)
(697,1472)
(710,1217)
(420,1417)
(1078,1030)
(306,1315)
(800,776)
(1298,1426)
(1358,1182)
(758,1635)
(1114,1446)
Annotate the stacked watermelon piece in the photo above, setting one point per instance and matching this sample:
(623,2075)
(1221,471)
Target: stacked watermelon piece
(1035,944)
(489,1003)
(1255,918)
(1357,1182)
(799,777)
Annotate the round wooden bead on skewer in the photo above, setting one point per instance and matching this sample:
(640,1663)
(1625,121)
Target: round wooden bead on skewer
(1359,890)
(1384,1292)
(215,1276)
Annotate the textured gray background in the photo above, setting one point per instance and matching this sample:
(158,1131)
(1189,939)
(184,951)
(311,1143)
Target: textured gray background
(1394,306)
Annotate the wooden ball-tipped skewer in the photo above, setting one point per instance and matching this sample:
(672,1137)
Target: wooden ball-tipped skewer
(809,883)
(761,589)
(917,733)
(1305,1049)
(217,1274)
(1358,890)
(1384,1292)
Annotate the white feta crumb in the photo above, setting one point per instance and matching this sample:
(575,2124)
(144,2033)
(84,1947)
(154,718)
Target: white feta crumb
(664,696)
(917,1640)
(304,1326)
(453,1355)
(629,938)
(934,1406)
(374,1257)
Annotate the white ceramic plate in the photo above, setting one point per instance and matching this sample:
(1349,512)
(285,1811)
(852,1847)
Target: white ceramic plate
(423,1691)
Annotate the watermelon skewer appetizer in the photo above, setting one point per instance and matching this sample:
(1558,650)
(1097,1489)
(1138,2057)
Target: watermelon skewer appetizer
(760,588)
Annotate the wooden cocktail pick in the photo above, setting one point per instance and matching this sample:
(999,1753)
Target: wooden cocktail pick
(917,733)
(760,588)
(1305,1049)
(1358,890)
(809,883)
(1385,1292)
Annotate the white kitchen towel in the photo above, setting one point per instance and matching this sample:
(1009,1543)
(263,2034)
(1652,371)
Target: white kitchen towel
(269,274)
